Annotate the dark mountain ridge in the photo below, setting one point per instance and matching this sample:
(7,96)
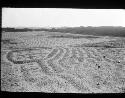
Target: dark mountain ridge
(112,31)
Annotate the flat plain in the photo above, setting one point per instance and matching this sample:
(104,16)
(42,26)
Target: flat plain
(53,62)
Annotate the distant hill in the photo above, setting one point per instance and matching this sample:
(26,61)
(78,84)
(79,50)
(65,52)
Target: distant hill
(97,31)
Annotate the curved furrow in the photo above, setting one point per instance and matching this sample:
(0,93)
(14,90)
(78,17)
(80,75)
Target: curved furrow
(82,55)
(10,57)
(3,55)
(87,50)
(61,51)
(44,68)
(73,59)
(41,63)
(53,61)
(63,61)
(95,54)
(79,85)
(74,53)
(51,54)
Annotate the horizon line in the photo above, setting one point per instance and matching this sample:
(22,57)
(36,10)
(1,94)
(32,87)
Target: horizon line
(58,27)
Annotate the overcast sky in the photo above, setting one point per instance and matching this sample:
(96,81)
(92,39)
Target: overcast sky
(53,17)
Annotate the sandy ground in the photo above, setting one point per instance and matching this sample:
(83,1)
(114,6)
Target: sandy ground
(40,39)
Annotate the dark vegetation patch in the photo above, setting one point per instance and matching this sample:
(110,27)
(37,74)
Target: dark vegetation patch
(119,43)
(72,36)
(16,29)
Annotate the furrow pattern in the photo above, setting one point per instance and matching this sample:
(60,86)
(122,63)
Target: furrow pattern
(53,61)
(10,57)
(77,84)
(82,55)
(63,61)
(44,68)
(52,53)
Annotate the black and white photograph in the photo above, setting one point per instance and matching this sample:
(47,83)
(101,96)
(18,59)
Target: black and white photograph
(63,50)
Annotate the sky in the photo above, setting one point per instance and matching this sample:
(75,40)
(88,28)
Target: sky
(61,17)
